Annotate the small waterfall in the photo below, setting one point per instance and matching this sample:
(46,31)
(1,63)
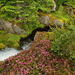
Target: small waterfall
(54,8)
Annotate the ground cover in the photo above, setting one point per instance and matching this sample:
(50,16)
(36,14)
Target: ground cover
(37,61)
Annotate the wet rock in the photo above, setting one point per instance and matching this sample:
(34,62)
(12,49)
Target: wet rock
(44,20)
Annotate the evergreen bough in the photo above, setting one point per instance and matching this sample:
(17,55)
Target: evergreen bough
(27,9)
(64,42)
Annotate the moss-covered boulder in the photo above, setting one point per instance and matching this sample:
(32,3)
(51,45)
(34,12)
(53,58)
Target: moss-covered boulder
(11,40)
(2,46)
(12,43)
(16,45)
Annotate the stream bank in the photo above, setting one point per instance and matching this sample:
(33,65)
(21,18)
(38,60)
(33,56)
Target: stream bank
(32,35)
(25,43)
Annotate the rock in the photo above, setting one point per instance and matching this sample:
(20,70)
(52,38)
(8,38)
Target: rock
(37,33)
(8,27)
(58,23)
(1,24)
(16,45)
(18,30)
(23,31)
(44,20)
(2,46)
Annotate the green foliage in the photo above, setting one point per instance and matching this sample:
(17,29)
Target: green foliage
(14,37)
(9,39)
(70,3)
(59,2)
(24,9)
(63,43)
(3,36)
(10,43)
(61,13)
(3,32)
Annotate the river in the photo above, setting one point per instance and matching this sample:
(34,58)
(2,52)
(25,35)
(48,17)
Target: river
(7,52)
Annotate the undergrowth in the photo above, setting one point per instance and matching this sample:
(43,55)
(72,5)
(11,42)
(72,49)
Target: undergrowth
(38,60)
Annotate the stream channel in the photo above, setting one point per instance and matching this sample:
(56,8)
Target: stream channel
(25,43)
(7,52)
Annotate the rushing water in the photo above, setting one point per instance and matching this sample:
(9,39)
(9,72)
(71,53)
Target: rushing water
(7,52)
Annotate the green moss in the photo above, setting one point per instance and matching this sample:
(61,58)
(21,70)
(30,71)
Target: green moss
(10,40)
(2,46)
(14,37)
(9,43)
(16,45)
(3,32)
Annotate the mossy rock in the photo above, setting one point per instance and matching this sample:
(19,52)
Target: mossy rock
(2,46)
(9,43)
(16,45)
(3,32)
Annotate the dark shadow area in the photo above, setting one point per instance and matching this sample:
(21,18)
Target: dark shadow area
(32,35)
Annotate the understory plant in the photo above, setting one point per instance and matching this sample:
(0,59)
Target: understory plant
(37,61)
(25,12)
(64,42)
(11,40)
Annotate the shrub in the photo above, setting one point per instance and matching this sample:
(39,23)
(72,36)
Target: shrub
(28,10)
(37,61)
(64,42)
